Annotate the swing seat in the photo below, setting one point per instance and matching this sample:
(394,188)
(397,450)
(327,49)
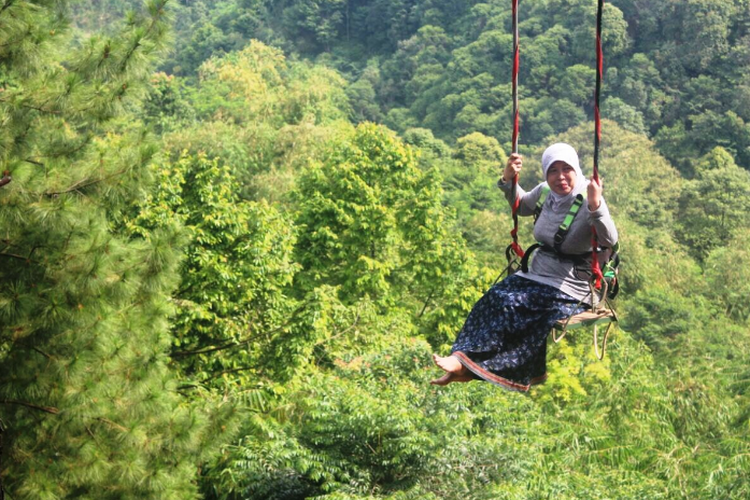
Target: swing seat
(602,316)
(593,318)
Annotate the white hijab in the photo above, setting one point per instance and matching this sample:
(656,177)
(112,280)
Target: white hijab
(563,152)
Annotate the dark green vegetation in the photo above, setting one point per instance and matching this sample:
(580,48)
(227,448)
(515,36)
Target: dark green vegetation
(221,279)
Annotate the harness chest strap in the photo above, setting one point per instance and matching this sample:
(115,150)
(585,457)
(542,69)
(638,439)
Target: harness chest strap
(562,233)
(540,202)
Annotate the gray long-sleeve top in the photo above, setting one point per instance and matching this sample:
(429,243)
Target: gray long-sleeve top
(547,267)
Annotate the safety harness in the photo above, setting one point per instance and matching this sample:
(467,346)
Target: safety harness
(610,270)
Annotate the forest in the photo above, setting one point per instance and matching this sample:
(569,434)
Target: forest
(236,231)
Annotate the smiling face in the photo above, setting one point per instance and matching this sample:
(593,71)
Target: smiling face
(561,178)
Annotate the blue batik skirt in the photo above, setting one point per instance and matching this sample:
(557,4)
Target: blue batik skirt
(504,339)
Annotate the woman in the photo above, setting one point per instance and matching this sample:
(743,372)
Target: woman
(504,339)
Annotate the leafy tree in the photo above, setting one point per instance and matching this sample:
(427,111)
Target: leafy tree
(481,151)
(237,265)
(428,48)
(639,84)
(424,139)
(166,106)
(258,83)
(369,216)
(702,30)
(318,22)
(658,316)
(211,29)
(625,115)
(381,24)
(638,182)
(576,83)
(206,41)
(93,16)
(471,181)
(368,429)
(546,116)
(728,131)
(363,97)
(714,205)
(741,97)
(725,272)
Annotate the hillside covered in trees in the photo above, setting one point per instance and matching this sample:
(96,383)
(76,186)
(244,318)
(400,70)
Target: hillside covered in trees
(237,230)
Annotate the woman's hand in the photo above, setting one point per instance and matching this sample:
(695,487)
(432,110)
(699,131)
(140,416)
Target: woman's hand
(513,167)
(594,195)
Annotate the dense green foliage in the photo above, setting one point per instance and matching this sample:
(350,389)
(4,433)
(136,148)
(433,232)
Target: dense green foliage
(90,408)
(675,70)
(225,266)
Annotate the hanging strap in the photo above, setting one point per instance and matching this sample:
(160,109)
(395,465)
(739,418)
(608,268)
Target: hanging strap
(514,189)
(595,270)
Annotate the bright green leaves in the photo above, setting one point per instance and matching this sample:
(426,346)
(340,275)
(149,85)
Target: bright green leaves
(657,316)
(370,427)
(258,83)
(236,268)
(372,223)
(714,205)
(727,275)
(575,85)
(352,213)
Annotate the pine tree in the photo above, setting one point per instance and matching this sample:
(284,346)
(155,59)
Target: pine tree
(87,400)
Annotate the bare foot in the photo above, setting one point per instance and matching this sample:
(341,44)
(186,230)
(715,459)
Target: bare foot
(450,364)
(452,377)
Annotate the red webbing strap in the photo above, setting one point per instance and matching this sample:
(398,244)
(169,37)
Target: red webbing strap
(516,63)
(595,270)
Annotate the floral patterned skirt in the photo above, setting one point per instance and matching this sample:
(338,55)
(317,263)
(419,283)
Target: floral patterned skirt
(504,339)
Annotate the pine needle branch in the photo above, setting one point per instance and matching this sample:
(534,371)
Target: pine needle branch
(85,142)
(40,109)
(154,21)
(48,356)
(19,257)
(46,409)
(84,183)
(27,259)
(34,162)
(112,424)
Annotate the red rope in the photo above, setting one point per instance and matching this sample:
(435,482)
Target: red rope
(516,64)
(595,269)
